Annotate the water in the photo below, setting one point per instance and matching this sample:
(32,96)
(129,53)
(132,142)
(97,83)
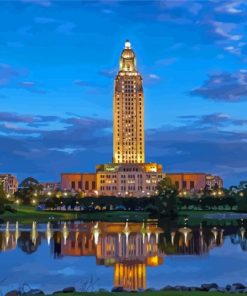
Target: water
(90,256)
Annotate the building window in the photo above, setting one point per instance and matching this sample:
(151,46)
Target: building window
(79,185)
(73,184)
(184,184)
(86,185)
(93,185)
(192,184)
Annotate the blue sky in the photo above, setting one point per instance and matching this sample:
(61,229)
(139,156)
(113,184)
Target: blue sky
(57,65)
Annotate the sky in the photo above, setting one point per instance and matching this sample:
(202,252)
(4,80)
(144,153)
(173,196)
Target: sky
(58,61)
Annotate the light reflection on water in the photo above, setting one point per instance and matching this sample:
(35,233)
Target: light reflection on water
(132,255)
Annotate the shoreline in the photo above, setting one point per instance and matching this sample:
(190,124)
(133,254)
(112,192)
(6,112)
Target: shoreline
(212,288)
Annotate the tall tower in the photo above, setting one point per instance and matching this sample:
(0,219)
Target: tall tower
(128,111)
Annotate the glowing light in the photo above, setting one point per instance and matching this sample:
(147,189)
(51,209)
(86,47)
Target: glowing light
(48,233)
(96,233)
(34,233)
(215,233)
(7,234)
(185,231)
(65,233)
(17,233)
(127,44)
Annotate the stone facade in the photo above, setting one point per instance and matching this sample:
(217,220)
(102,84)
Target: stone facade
(10,183)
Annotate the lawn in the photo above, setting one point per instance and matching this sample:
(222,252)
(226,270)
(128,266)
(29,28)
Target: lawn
(115,216)
(28,214)
(197,217)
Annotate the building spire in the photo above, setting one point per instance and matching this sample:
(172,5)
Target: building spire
(128,59)
(127,44)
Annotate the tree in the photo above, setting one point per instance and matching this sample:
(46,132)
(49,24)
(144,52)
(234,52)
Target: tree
(30,181)
(2,192)
(2,198)
(28,189)
(166,201)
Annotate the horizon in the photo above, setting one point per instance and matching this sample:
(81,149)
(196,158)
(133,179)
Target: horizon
(57,68)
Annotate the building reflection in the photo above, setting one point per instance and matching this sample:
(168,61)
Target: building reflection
(129,248)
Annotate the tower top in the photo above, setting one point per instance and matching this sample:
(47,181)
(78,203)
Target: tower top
(127,44)
(128,59)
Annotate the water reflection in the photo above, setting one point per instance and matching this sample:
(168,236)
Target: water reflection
(129,248)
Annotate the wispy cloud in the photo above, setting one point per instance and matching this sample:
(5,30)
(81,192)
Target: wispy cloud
(44,3)
(109,73)
(32,87)
(66,28)
(8,73)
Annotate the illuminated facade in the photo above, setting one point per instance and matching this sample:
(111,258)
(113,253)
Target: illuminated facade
(128,111)
(194,182)
(122,180)
(10,183)
(79,182)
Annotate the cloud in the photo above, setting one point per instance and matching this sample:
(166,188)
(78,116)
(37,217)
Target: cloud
(231,7)
(151,78)
(225,30)
(11,77)
(83,83)
(44,20)
(228,87)
(199,149)
(45,153)
(75,143)
(31,87)
(215,120)
(8,73)
(167,61)
(110,73)
(43,3)
(66,28)
(26,124)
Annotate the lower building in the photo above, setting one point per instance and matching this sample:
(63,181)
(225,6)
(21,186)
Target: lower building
(79,182)
(125,179)
(50,186)
(134,179)
(10,183)
(122,180)
(194,182)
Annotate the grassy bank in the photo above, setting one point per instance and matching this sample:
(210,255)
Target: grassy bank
(195,218)
(27,214)
(115,216)
(159,293)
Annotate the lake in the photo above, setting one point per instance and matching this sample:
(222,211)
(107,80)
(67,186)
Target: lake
(97,255)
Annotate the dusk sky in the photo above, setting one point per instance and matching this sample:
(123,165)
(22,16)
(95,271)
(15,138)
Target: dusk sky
(58,60)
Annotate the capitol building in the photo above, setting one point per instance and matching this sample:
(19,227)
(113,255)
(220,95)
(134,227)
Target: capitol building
(128,174)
